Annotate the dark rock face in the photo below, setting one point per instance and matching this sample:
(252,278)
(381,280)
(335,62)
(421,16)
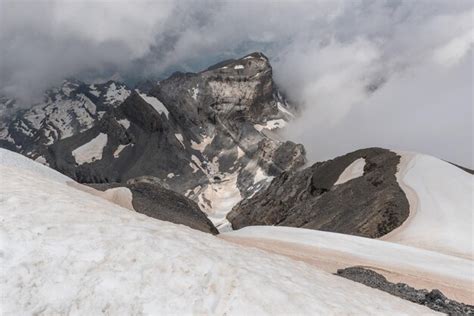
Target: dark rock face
(370,205)
(433,299)
(158,202)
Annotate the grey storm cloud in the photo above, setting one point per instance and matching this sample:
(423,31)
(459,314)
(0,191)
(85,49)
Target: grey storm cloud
(396,74)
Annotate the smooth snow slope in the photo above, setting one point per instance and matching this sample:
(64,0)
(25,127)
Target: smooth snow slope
(441,206)
(17,161)
(65,251)
(331,251)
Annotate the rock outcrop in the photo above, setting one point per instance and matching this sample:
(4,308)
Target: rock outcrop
(433,299)
(356,194)
(158,202)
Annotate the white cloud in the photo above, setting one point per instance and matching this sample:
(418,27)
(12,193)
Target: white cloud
(327,56)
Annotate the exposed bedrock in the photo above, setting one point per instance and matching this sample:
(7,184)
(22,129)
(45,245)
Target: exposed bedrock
(356,194)
(433,299)
(158,202)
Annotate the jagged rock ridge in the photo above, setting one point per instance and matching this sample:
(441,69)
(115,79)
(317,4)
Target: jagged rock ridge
(369,202)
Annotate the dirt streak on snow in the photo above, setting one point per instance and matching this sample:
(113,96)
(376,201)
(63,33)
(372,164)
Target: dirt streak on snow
(330,251)
(331,261)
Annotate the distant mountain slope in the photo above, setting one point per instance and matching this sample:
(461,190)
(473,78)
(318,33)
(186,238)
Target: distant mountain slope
(65,111)
(65,251)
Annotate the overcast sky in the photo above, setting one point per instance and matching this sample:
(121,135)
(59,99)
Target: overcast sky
(396,74)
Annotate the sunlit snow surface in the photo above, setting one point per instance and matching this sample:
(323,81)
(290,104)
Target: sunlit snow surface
(65,251)
(441,206)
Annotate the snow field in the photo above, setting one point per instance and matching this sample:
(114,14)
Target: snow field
(69,252)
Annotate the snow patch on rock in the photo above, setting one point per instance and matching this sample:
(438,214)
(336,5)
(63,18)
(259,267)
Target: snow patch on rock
(354,170)
(195,93)
(271,125)
(240,152)
(180,138)
(116,95)
(93,90)
(125,123)
(119,149)
(284,110)
(260,175)
(155,103)
(90,151)
(202,145)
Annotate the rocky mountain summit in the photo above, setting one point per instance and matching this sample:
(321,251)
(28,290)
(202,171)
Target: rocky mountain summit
(211,136)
